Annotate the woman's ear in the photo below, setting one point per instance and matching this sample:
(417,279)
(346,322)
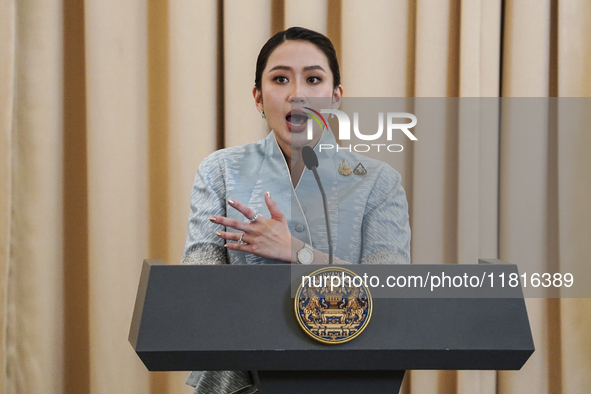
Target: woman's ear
(337,96)
(258,98)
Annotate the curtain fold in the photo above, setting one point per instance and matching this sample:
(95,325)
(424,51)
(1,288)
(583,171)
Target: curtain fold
(310,13)
(34,305)
(107,108)
(242,123)
(7,52)
(118,217)
(574,188)
(524,232)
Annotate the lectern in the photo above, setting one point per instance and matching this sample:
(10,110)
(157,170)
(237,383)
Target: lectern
(242,318)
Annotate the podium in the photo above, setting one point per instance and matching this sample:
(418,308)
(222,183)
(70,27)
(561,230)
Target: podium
(241,317)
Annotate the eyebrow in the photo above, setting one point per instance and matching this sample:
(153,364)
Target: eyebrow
(287,68)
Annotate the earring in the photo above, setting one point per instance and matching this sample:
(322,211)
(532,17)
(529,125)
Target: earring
(263,114)
(332,115)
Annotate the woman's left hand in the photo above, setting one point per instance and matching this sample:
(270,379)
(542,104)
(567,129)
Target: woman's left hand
(267,238)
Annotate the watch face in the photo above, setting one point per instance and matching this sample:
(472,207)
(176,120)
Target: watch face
(305,256)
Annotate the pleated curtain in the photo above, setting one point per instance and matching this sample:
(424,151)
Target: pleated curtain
(108,107)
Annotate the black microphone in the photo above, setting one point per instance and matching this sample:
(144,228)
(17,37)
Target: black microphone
(311,162)
(310,158)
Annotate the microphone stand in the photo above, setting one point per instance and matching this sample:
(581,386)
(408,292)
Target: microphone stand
(311,162)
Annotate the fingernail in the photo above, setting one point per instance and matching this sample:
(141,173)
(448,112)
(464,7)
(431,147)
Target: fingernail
(225,245)
(218,233)
(213,219)
(269,194)
(230,201)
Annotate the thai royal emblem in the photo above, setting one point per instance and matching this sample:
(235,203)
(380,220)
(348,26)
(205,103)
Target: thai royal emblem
(345,168)
(329,313)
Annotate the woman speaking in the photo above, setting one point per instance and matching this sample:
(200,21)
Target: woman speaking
(257,203)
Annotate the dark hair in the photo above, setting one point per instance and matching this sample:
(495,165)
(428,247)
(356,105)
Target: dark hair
(301,34)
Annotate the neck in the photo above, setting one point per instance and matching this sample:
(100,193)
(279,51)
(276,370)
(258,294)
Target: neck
(296,167)
(293,155)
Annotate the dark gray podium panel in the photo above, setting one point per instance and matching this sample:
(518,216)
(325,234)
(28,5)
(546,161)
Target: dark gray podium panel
(329,382)
(242,318)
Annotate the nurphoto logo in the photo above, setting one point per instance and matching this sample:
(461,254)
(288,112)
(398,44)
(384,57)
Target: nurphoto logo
(392,125)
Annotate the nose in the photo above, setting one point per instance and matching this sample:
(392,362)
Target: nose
(297,94)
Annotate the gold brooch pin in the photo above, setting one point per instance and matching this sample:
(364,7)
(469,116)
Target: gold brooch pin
(359,170)
(345,168)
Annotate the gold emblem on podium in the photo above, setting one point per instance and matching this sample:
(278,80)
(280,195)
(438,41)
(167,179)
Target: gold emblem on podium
(333,305)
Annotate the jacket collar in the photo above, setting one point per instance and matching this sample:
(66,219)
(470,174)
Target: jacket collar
(307,191)
(326,158)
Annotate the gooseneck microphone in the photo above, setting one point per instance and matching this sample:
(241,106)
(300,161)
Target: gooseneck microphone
(311,162)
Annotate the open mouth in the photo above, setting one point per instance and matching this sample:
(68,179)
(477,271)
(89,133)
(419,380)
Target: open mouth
(296,121)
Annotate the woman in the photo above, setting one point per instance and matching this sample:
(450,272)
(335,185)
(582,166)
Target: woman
(256,203)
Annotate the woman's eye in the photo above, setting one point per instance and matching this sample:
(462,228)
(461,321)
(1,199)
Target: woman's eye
(314,80)
(280,79)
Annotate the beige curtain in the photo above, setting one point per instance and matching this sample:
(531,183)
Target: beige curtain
(108,107)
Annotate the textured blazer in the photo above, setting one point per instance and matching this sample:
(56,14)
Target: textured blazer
(368,213)
(368,216)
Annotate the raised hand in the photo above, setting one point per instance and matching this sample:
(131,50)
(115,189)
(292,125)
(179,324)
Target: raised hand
(267,238)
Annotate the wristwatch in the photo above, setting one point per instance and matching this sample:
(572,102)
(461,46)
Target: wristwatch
(306,255)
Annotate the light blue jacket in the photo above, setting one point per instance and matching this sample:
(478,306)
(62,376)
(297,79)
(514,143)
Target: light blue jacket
(368,216)
(368,213)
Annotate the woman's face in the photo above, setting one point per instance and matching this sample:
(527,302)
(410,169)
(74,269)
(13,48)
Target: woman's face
(296,72)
